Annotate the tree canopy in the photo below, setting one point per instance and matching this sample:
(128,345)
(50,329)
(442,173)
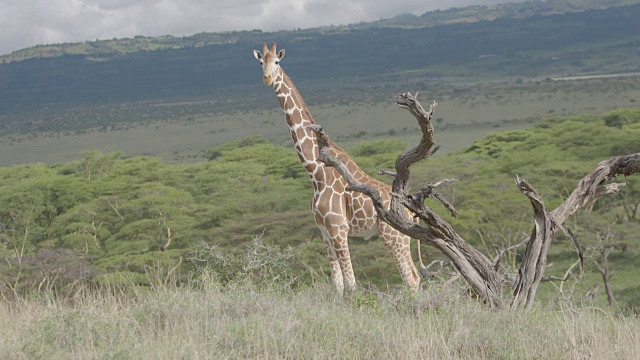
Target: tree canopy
(113,213)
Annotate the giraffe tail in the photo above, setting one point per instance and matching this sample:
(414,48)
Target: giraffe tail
(424,271)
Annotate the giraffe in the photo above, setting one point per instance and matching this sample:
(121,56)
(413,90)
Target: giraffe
(338,213)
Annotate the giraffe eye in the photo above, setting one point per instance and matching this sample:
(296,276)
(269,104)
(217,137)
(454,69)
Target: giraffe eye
(277,62)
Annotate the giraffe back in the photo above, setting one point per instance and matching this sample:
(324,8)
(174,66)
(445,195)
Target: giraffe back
(357,208)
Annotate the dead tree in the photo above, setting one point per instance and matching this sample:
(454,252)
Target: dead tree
(606,274)
(604,248)
(482,274)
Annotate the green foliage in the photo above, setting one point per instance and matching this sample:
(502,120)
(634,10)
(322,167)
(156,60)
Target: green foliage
(115,213)
(119,212)
(367,301)
(621,117)
(379,154)
(95,164)
(258,262)
(379,147)
(583,137)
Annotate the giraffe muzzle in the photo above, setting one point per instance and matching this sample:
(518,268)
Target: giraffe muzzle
(268,80)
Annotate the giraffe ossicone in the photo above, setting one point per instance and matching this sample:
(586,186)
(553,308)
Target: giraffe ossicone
(337,212)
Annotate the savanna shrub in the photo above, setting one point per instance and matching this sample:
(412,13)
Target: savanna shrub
(258,262)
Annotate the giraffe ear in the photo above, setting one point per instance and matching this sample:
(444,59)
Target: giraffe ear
(280,54)
(257,54)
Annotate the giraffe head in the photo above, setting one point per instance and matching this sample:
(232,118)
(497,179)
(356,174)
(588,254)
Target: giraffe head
(270,61)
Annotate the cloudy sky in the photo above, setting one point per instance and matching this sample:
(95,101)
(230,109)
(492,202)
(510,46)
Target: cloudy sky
(25,23)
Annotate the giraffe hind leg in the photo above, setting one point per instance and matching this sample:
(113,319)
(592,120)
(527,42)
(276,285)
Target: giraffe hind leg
(398,245)
(338,249)
(341,245)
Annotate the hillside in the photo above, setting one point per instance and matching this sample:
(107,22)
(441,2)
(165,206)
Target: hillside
(361,64)
(516,10)
(512,10)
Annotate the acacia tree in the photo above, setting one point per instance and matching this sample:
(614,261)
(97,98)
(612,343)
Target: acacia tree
(481,273)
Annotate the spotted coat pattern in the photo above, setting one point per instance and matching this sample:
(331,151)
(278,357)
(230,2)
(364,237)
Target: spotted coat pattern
(337,212)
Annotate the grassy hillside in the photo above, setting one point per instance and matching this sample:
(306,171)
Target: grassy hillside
(108,214)
(592,41)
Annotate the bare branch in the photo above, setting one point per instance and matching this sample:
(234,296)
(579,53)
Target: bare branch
(593,185)
(568,233)
(535,256)
(454,277)
(567,274)
(172,270)
(474,266)
(424,149)
(115,208)
(387,172)
(428,192)
(589,188)
(165,246)
(606,274)
(502,251)
(479,271)
(441,182)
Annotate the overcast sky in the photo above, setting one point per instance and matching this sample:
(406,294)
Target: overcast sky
(25,23)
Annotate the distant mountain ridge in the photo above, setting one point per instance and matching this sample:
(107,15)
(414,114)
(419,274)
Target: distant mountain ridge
(362,65)
(511,10)
(470,14)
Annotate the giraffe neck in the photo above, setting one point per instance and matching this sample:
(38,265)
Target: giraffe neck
(298,116)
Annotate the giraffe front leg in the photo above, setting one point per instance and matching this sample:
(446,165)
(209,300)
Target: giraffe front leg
(334,264)
(341,245)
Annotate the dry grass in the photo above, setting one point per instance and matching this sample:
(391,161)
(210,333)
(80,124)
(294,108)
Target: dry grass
(240,322)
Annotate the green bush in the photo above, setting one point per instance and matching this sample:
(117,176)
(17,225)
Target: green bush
(619,118)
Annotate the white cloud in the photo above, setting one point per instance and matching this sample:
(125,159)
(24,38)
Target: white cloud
(25,23)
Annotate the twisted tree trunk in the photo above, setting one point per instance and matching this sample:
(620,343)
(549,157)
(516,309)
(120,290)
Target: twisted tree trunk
(481,274)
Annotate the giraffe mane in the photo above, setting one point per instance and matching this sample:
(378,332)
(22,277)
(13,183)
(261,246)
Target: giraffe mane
(342,154)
